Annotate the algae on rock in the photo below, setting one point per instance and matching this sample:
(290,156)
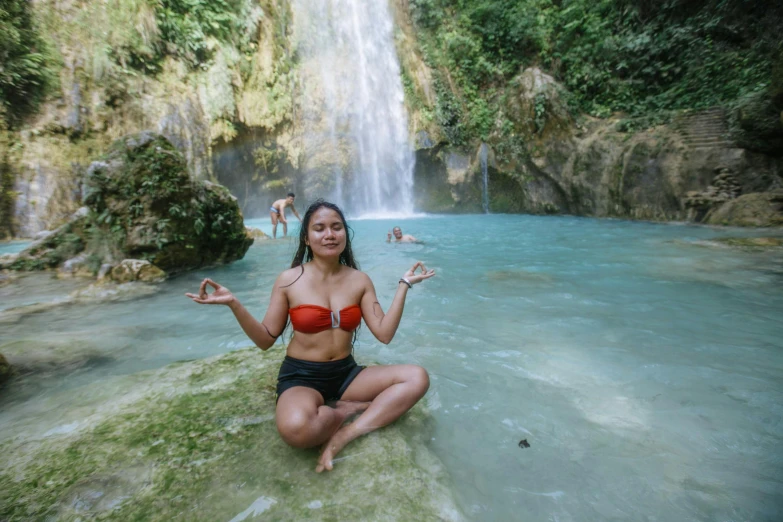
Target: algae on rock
(198,440)
(141,204)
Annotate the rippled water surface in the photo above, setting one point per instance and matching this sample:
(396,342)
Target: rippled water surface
(643,365)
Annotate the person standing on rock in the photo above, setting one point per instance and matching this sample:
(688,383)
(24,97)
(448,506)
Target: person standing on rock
(277,213)
(325,296)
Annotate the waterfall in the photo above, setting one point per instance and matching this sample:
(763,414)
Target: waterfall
(356,146)
(484,179)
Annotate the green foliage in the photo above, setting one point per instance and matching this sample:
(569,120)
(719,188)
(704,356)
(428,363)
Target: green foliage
(24,76)
(188,29)
(634,56)
(189,24)
(426,13)
(7,200)
(448,113)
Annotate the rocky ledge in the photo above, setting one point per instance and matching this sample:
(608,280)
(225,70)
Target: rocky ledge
(197,441)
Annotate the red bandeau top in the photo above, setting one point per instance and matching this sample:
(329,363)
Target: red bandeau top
(310,319)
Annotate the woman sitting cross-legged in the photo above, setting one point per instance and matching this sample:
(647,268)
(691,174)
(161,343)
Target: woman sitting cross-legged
(326,296)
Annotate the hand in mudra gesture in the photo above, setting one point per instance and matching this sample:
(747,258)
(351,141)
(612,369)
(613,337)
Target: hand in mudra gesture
(221,295)
(414,278)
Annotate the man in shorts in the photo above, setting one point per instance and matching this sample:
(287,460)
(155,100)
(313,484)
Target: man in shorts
(277,213)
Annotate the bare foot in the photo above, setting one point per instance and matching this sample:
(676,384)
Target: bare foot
(332,448)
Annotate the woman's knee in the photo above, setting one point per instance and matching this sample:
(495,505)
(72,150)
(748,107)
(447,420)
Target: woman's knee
(294,429)
(419,377)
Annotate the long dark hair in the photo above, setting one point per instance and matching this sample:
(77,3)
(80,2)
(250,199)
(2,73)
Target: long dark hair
(304,253)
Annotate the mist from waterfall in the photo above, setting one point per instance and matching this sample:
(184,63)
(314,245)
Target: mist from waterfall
(357,150)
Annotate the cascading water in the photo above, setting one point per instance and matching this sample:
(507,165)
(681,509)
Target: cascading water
(484,178)
(356,147)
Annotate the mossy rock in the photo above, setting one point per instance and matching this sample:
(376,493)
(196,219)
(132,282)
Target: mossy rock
(197,441)
(761,209)
(140,203)
(140,194)
(55,248)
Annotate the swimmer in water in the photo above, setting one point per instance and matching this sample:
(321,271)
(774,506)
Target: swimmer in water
(399,237)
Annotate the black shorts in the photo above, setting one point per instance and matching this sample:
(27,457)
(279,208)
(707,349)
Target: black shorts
(330,378)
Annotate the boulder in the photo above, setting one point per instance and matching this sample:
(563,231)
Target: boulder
(137,270)
(141,204)
(762,209)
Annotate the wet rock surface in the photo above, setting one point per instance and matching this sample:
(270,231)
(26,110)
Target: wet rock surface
(197,440)
(5,369)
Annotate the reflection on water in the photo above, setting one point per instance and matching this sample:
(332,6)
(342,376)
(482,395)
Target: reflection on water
(643,367)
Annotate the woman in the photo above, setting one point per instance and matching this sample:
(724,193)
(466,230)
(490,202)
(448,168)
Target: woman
(326,296)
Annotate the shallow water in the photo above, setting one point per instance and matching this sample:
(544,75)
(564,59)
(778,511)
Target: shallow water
(643,366)
(13,247)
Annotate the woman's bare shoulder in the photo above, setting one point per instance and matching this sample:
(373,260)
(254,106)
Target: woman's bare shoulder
(287,277)
(358,276)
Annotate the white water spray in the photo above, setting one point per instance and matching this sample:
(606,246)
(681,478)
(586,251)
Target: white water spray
(356,145)
(484,178)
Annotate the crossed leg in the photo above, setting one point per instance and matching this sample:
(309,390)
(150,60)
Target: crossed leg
(393,390)
(304,421)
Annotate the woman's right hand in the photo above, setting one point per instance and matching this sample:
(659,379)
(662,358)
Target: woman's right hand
(414,278)
(221,295)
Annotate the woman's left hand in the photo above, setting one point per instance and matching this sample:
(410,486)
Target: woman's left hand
(414,278)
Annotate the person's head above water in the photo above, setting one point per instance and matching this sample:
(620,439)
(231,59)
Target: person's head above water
(399,237)
(324,233)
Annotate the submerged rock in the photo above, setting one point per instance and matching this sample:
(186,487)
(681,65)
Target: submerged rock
(198,441)
(95,292)
(5,369)
(137,270)
(751,242)
(256,233)
(50,357)
(141,204)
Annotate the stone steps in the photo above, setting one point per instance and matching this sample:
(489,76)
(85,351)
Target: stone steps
(706,129)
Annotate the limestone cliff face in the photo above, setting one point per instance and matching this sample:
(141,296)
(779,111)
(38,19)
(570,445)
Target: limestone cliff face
(242,118)
(102,97)
(549,161)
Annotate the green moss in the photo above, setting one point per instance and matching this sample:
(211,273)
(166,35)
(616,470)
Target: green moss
(202,444)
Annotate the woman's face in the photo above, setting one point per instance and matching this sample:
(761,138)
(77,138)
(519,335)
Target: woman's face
(326,233)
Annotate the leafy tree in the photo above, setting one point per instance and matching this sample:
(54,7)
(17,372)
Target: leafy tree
(24,76)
